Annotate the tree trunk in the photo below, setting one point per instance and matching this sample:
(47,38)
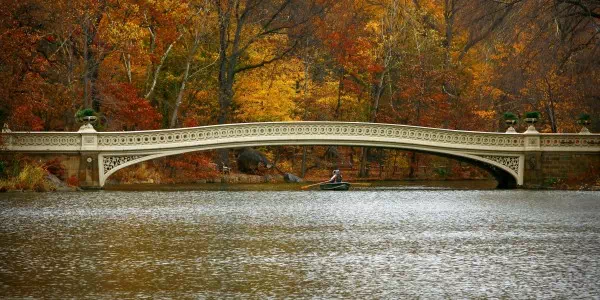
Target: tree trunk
(413,165)
(233,16)
(339,99)
(303,172)
(550,108)
(155,74)
(87,98)
(150,68)
(95,93)
(181,92)
(449,14)
(92,58)
(364,171)
(377,91)
(127,65)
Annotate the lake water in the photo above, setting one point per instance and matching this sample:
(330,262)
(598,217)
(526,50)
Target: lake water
(360,244)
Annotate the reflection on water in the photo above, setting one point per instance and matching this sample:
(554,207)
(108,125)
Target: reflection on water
(356,244)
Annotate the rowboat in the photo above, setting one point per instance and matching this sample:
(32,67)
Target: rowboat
(337,186)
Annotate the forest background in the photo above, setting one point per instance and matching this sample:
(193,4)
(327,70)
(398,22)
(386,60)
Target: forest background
(151,64)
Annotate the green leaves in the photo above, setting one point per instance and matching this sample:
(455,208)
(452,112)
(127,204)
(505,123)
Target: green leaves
(86,112)
(583,117)
(509,116)
(533,115)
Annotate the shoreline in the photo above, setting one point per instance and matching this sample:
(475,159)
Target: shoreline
(223,185)
(473,184)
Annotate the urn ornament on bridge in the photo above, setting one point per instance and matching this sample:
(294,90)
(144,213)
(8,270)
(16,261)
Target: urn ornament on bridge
(531,118)
(88,117)
(510,119)
(584,120)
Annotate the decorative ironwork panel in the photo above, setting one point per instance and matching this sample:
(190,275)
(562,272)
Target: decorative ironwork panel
(512,162)
(111,162)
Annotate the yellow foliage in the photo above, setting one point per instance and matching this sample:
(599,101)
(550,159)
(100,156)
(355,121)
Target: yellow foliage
(374,26)
(268,93)
(486,114)
(140,173)
(31,178)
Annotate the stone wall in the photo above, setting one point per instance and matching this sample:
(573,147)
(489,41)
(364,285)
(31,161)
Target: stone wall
(544,169)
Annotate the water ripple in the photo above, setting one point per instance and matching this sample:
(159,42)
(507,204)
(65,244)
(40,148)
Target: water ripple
(357,244)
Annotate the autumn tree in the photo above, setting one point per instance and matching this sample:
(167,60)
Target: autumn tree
(243,23)
(23,64)
(196,34)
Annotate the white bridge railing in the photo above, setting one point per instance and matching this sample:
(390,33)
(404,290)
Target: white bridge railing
(300,131)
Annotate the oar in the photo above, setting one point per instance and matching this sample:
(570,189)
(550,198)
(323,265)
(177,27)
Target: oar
(307,186)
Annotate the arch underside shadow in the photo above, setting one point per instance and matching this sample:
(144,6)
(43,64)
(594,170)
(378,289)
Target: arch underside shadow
(506,176)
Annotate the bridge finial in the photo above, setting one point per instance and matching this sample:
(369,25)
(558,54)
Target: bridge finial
(531,129)
(584,130)
(87,128)
(5,128)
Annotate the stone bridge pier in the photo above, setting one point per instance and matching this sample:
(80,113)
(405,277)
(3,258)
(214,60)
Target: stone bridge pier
(88,171)
(527,160)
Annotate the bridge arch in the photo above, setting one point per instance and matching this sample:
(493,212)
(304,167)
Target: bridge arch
(504,167)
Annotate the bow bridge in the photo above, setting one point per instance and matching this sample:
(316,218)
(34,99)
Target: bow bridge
(526,159)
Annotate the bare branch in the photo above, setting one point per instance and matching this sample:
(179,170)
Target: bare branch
(268,61)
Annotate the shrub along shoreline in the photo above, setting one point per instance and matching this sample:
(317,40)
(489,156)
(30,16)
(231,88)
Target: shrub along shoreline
(30,178)
(27,175)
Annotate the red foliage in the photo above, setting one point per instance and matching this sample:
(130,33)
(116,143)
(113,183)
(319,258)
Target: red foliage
(375,68)
(73,181)
(190,122)
(125,110)
(23,118)
(22,68)
(192,166)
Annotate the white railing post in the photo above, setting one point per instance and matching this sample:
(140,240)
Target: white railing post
(532,141)
(89,138)
(7,137)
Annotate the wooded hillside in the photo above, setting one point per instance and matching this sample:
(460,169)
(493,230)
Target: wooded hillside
(456,64)
(151,64)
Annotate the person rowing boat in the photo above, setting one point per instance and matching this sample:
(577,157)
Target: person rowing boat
(335,183)
(337,177)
